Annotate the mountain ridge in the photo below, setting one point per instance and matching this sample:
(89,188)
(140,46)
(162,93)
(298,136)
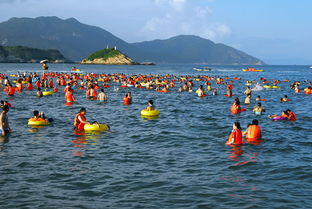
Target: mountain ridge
(77,40)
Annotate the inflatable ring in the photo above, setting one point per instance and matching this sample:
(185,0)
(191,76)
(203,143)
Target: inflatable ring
(38,122)
(96,127)
(271,87)
(150,112)
(46,93)
(279,118)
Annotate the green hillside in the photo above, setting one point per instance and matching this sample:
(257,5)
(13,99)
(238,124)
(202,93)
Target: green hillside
(28,54)
(104,53)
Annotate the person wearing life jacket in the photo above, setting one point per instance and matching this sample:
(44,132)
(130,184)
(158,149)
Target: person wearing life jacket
(51,85)
(80,119)
(29,86)
(308,90)
(291,115)
(253,132)
(229,90)
(127,100)
(19,85)
(236,108)
(93,93)
(11,90)
(38,83)
(69,97)
(236,137)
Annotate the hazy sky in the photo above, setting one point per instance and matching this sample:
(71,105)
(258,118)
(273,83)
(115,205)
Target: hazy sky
(276,31)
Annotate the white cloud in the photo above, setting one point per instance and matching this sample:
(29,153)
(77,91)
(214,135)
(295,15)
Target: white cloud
(175,17)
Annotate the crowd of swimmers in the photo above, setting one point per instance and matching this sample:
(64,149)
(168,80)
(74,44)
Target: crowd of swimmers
(94,85)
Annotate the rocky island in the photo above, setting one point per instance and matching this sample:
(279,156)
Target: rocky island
(109,56)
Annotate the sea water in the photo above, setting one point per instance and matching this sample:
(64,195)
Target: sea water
(178,160)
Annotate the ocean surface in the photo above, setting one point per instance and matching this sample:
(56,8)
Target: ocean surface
(178,160)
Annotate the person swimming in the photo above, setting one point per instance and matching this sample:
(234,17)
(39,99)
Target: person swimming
(258,109)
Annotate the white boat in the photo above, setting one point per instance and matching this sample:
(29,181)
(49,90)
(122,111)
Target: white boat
(202,69)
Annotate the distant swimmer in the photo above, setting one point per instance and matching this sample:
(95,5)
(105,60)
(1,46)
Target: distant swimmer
(236,137)
(200,91)
(80,120)
(39,93)
(258,109)
(215,93)
(127,100)
(4,121)
(285,99)
(247,99)
(69,97)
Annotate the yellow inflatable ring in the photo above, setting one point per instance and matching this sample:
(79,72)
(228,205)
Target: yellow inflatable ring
(150,112)
(96,127)
(46,93)
(38,122)
(271,87)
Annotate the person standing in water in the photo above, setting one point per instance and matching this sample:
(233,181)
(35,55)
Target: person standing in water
(4,121)
(102,96)
(236,136)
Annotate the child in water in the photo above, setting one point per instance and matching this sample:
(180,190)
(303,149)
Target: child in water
(150,105)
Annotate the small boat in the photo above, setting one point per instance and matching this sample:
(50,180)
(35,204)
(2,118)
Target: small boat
(202,69)
(251,69)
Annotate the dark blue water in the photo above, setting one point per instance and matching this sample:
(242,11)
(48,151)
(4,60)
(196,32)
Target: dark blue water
(178,160)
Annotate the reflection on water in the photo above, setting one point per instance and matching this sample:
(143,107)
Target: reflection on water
(86,140)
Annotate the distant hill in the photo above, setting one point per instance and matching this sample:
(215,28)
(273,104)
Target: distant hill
(76,41)
(108,56)
(28,54)
(194,49)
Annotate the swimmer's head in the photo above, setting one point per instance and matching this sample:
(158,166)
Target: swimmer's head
(36,113)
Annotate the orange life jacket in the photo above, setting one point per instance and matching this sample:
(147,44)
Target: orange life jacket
(253,133)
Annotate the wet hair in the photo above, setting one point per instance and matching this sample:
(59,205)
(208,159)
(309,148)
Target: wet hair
(36,112)
(5,108)
(255,122)
(82,109)
(150,102)
(288,110)
(237,124)
(259,104)
(285,96)
(102,90)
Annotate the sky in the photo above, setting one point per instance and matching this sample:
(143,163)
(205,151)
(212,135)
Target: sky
(275,31)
